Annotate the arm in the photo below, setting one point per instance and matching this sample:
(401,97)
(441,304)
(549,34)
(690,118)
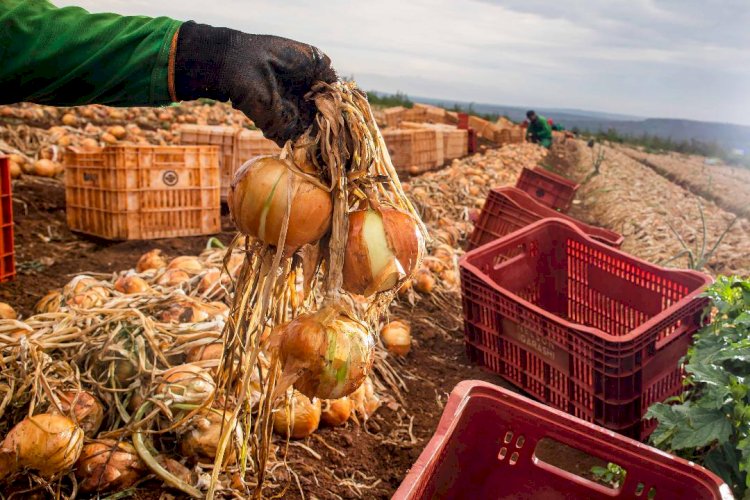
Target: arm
(69,57)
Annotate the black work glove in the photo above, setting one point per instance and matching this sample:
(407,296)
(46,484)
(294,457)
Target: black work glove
(264,76)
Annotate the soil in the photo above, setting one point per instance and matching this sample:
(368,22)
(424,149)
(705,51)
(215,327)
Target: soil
(353,461)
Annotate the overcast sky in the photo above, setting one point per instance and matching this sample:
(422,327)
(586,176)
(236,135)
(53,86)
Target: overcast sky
(655,58)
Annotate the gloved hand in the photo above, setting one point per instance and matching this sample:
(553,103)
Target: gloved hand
(264,76)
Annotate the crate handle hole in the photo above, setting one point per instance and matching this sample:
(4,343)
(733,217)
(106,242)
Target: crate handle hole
(564,460)
(513,458)
(639,489)
(508,437)
(520,441)
(503,453)
(540,192)
(651,493)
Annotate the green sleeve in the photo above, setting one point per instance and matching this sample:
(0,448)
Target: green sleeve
(68,56)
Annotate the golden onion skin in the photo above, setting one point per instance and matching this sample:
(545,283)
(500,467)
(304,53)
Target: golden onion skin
(403,238)
(45,442)
(84,408)
(258,200)
(331,354)
(305,416)
(108,465)
(336,412)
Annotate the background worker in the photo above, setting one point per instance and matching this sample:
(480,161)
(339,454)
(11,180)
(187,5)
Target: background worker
(68,57)
(539,130)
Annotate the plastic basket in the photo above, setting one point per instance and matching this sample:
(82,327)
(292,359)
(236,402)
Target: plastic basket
(508,209)
(579,325)
(547,188)
(486,446)
(143,192)
(7,262)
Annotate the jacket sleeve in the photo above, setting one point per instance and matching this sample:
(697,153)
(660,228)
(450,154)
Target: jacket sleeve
(67,56)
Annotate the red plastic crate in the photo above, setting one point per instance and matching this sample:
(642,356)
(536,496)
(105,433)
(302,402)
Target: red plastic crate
(485,447)
(579,325)
(547,188)
(7,262)
(508,209)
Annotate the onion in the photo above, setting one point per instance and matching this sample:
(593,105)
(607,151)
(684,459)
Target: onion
(258,200)
(173,277)
(117,131)
(297,419)
(108,138)
(209,280)
(85,292)
(396,336)
(89,144)
(364,399)
(85,410)
(336,412)
(106,464)
(7,312)
(69,119)
(15,169)
(49,303)
(200,436)
(449,277)
(175,468)
(325,354)
(187,383)
(188,311)
(46,168)
(205,352)
(383,247)
(131,284)
(150,260)
(45,442)
(187,263)
(424,282)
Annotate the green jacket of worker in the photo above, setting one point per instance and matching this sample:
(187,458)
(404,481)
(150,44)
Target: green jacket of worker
(67,56)
(539,130)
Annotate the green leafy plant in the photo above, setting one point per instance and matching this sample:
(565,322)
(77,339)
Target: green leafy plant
(709,423)
(612,475)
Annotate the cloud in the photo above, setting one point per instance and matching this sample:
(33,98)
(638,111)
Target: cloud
(666,58)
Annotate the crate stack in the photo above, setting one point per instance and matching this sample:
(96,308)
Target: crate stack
(552,305)
(236,146)
(143,192)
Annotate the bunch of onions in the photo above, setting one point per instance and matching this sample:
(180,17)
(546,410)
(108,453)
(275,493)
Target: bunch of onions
(336,412)
(325,354)
(46,443)
(299,418)
(199,438)
(50,303)
(7,312)
(384,247)
(106,465)
(259,197)
(188,383)
(84,408)
(396,336)
(131,284)
(150,260)
(85,292)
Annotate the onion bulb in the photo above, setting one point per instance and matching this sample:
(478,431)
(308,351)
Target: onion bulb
(150,260)
(336,412)
(46,168)
(85,292)
(117,131)
(187,263)
(209,280)
(258,200)
(205,352)
(383,247)
(187,383)
(106,464)
(50,303)
(199,438)
(364,399)
(188,311)
(325,354)
(396,336)
(424,282)
(45,442)
(173,277)
(69,119)
(297,419)
(131,284)
(7,312)
(175,468)
(85,410)
(15,169)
